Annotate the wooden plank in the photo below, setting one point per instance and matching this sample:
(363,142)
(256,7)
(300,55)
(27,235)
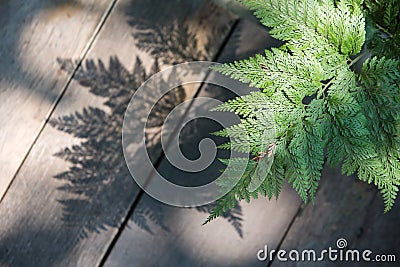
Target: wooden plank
(342,206)
(66,205)
(380,232)
(177,237)
(238,9)
(32,35)
(171,236)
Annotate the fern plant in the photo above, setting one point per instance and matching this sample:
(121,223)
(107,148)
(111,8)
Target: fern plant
(332,90)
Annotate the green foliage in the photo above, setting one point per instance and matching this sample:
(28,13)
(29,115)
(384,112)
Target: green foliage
(383,27)
(325,108)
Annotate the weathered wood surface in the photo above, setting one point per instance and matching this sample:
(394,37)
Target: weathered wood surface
(32,34)
(344,208)
(380,232)
(340,209)
(66,205)
(175,236)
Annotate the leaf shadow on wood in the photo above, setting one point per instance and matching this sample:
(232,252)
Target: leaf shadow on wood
(98,174)
(97,163)
(10,255)
(175,38)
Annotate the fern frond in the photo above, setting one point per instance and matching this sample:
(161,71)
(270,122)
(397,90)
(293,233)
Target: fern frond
(319,100)
(341,26)
(272,71)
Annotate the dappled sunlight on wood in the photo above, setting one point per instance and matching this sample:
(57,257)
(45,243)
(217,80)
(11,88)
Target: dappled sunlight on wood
(62,9)
(30,81)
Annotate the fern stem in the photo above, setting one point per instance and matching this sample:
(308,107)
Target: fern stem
(384,30)
(354,61)
(326,86)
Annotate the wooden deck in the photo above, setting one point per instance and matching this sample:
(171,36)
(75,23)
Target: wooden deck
(67,71)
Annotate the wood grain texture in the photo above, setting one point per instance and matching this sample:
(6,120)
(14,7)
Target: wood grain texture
(32,35)
(71,195)
(380,232)
(173,236)
(342,207)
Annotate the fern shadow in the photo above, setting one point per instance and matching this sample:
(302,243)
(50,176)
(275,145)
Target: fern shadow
(98,167)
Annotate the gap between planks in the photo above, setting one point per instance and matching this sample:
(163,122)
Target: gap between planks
(160,157)
(120,254)
(88,251)
(63,90)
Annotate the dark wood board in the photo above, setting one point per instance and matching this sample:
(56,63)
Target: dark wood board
(69,198)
